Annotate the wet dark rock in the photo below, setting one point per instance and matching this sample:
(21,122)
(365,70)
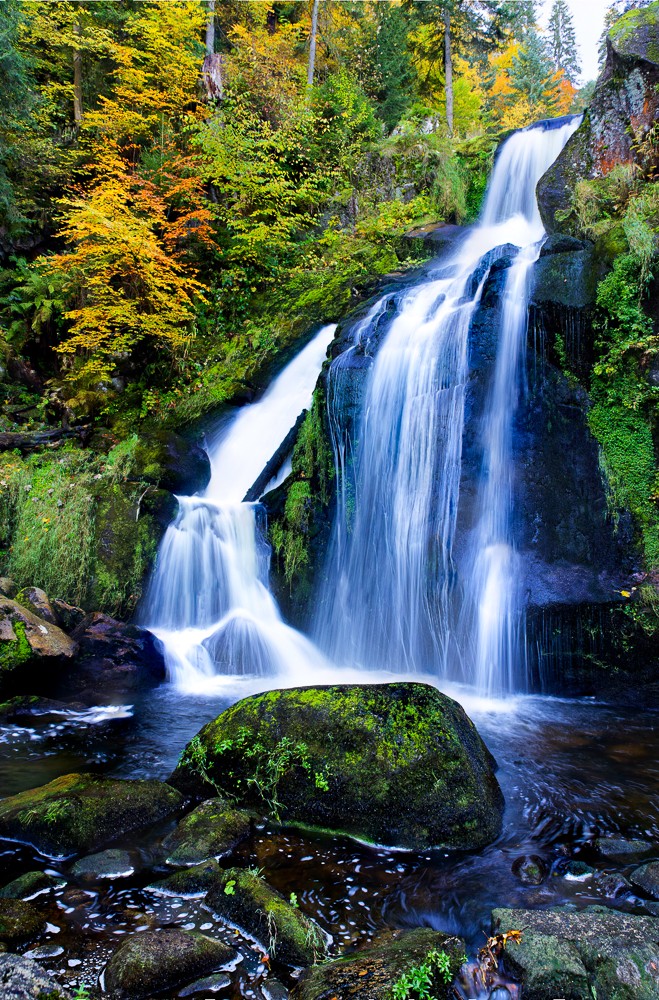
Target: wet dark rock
(619,847)
(370,973)
(209,984)
(111,864)
(576,870)
(80,812)
(29,646)
(568,279)
(7,587)
(37,601)
(272,989)
(396,764)
(562,243)
(578,954)
(69,616)
(646,878)
(212,830)
(154,961)
(194,881)
(27,709)
(19,921)
(612,884)
(246,901)
(31,885)
(530,870)
(173,463)
(23,979)
(115,655)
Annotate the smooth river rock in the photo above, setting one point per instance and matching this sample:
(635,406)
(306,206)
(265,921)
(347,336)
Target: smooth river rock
(393,764)
(212,830)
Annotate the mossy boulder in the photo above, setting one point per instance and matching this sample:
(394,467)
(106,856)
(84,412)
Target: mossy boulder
(646,878)
(212,830)
(37,601)
(19,921)
(78,813)
(247,902)
(160,960)
(372,972)
(111,864)
(594,952)
(194,881)
(30,885)
(168,460)
(23,979)
(395,764)
(29,643)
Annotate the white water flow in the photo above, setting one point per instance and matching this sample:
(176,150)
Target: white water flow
(208,600)
(390,596)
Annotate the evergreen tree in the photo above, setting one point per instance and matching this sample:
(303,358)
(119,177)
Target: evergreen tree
(532,73)
(563,41)
(393,64)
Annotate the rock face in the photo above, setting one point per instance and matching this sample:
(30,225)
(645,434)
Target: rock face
(371,973)
(578,954)
(29,643)
(395,764)
(211,830)
(80,812)
(22,979)
(246,901)
(624,107)
(158,960)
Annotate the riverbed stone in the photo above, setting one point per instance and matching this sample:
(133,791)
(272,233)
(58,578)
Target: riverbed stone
(395,764)
(31,885)
(530,869)
(212,830)
(78,813)
(371,972)
(19,921)
(194,881)
(154,961)
(111,864)
(620,847)
(245,900)
(646,877)
(23,979)
(576,954)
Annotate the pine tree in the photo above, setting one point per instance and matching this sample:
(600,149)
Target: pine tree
(563,41)
(532,73)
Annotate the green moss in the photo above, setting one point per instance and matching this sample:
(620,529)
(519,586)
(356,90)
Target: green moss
(14,653)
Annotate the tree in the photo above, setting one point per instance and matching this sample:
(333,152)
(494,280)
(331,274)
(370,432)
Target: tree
(563,41)
(532,73)
(312,44)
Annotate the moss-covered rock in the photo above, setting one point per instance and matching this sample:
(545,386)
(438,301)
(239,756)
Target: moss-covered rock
(23,979)
(194,881)
(30,885)
(19,921)
(38,602)
(577,954)
(111,864)
(79,812)
(397,764)
(372,972)
(646,878)
(247,902)
(28,643)
(212,830)
(169,461)
(159,960)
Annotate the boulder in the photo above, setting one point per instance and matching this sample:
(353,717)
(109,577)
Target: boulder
(115,656)
(212,830)
(372,972)
(646,878)
(620,847)
(194,881)
(31,885)
(111,864)
(169,461)
(624,106)
(19,921)
(29,646)
(395,764)
(68,614)
(23,979)
(155,961)
(530,870)
(578,954)
(37,601)
(247,902)
(80,812)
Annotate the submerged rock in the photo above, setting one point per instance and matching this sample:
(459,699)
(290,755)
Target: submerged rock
(578,954)
(19,921)
(395,764)
(80,812)
(158,960)
(212,830)
(23,979)
(372,972)
(531,870)
(247,902)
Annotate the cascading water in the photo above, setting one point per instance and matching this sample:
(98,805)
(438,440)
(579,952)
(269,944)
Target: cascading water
(208,601)
(390,592)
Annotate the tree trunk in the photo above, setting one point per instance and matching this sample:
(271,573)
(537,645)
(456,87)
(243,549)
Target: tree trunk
(312,47)
(212,68)
(77,81)
(448,71)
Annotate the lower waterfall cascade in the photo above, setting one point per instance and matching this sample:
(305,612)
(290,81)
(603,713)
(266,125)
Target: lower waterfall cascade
(392,600)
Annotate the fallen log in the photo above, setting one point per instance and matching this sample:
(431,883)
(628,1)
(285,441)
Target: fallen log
(30,440)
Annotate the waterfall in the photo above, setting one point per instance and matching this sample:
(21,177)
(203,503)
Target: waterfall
(208,600)
(391,592)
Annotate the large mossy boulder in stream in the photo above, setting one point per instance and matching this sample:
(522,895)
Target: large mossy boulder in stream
(78,813)
(373,972)
(573,954)
(394,764)
(29,644)
(624,107)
